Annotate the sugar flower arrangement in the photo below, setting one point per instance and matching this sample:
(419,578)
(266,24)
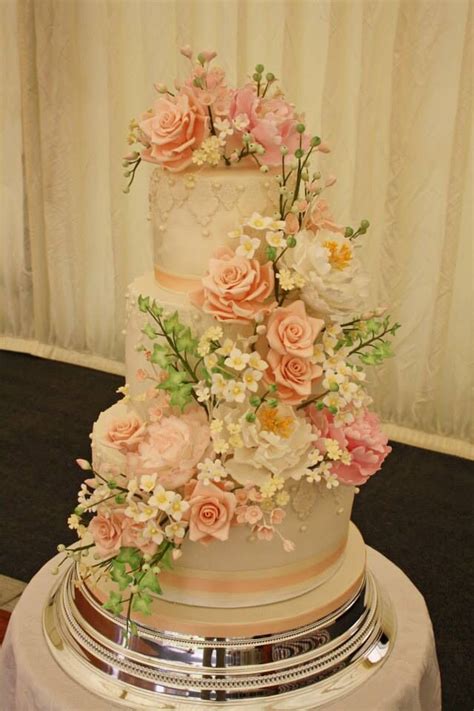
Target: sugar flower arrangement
(273,391)
(203,121)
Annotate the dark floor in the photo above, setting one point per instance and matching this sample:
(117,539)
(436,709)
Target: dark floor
(417,512)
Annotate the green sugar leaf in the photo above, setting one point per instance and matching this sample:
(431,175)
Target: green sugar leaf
(129,555)
(150,582)
(160,355)
(114,603)
(149,331)
(143,303)
(142,603)
(119,575)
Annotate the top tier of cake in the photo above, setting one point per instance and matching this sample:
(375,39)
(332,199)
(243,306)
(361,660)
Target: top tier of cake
(193,212)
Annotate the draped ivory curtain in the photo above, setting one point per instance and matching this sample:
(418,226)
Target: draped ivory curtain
(386,83)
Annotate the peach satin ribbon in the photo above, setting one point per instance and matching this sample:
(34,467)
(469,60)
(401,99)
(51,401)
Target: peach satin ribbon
(267,580)
(176,282)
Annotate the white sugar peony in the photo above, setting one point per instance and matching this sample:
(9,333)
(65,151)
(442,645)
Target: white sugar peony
(335,283)
(277,443)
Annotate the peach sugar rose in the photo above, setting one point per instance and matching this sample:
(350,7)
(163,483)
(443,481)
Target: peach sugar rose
(126,434)
(175,127)
(210,513)
(292,332)
(234,288)
(107,532)
(292,375)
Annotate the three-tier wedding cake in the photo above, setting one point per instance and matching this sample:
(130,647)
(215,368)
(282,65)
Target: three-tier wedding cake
(217,560)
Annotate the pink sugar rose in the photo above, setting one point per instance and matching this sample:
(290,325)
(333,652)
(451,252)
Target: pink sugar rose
(363,439)
(126,434)
(210,513)
(172,448)
(291,331)
(318,217)
(176,127)
(292,375)
(235,288)
(107,533)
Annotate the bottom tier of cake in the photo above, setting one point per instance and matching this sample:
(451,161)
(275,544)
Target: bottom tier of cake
(319,645)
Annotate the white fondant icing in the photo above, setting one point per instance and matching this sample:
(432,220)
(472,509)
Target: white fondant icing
(193,212)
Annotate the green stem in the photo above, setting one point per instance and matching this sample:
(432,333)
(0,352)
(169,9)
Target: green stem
(213,130)
(311,400)
(369,342)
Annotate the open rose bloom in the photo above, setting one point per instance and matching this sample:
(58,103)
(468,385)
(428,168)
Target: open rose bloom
(272,391)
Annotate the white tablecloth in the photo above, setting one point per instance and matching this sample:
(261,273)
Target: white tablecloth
(30,679)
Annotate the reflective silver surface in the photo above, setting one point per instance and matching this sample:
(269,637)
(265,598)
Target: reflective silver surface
(298,669)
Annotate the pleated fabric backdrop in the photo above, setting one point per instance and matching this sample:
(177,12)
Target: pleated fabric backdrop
(386,84)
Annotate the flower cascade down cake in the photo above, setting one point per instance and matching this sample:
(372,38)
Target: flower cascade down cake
(220,488)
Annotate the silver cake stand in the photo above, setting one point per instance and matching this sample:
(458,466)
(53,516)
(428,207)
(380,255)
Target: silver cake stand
(298,669)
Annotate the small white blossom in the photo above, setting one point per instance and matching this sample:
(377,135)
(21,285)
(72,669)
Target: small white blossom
(236,359)
(286,280)
(223,127)
(153,532)
(204,347)
(216,425)
(259,222)
(178,507)
(256,362)
(161,499)
(175,530)
(346,458)
(220,445)
(235,234)
(144,512)
(203,393)
(251,379)
(247,247)
(333,451)
(282,498)
(210,361)
(210,152)
(236,441)
(226,347)
(315,457)
(214,333)
(332,380)
(73,521)
(211,470)
(319,355)
(219,384)
(276,239)
(332,400)
(147,482)
(348,390)
(241,121)
(234,391)
(331,481)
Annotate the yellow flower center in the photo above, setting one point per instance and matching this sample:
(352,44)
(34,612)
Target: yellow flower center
(271,421)
(340,255)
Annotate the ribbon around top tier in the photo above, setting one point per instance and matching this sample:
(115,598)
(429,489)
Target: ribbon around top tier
(181,283)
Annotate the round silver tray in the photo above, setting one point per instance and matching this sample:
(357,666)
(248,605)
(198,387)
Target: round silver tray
(301,668)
